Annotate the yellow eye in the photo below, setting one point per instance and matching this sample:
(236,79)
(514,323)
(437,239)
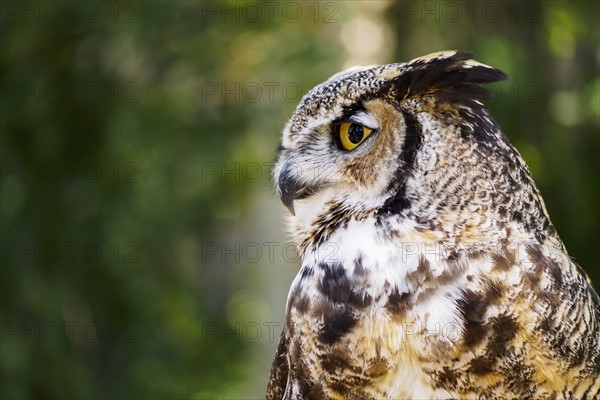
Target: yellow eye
(351,135)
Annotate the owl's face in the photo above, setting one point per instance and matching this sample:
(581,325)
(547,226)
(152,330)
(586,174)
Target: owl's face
(343,141)
(354,153)
(411,140)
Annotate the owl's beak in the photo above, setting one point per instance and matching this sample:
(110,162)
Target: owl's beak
(291,188)
(288,188)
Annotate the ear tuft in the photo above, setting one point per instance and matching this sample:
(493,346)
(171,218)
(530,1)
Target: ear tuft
(451,74)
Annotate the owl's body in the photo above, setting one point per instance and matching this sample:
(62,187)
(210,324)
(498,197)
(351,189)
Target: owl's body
(430,266)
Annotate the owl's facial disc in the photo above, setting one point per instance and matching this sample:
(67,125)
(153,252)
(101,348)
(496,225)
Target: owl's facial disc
(351,152)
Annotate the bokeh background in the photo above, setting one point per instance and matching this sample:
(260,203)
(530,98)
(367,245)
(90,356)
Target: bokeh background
(143,249)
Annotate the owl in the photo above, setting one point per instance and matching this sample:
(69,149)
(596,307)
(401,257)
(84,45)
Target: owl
(430,268)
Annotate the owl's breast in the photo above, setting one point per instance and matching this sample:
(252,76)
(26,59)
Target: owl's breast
(362,321)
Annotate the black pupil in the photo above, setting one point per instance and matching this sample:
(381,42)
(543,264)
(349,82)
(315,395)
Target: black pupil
(355,133)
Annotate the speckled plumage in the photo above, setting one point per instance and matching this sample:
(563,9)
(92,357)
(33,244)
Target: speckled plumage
(430,266)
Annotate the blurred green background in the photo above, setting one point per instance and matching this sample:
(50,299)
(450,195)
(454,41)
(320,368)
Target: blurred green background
(143,249)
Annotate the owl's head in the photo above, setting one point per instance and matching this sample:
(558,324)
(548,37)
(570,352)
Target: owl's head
(409,140)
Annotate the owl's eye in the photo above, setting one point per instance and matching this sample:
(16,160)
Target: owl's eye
(351,135)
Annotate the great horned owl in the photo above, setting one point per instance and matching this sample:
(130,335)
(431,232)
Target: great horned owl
(430,266)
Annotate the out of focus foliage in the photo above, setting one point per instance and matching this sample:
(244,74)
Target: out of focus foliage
(137,215)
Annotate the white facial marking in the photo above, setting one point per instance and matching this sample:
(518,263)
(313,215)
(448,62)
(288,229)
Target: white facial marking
(365,119)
